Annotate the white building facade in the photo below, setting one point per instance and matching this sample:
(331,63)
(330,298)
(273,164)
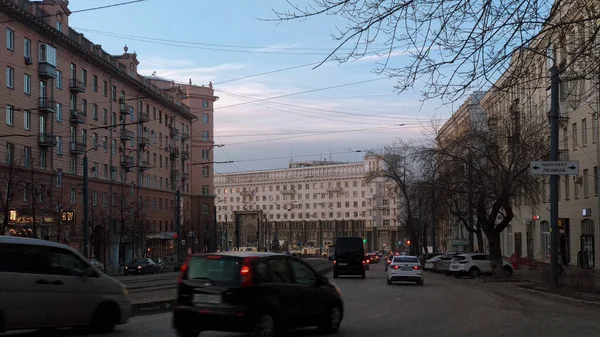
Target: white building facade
(309,204)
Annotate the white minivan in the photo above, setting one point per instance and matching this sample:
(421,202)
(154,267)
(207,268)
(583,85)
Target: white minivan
(46,284)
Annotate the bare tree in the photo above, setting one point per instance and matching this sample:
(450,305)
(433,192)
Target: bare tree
(11,180)
(455,46)
(99,216)
(39,198)
(500,169)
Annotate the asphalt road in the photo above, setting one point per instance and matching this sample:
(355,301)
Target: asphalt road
(443,307)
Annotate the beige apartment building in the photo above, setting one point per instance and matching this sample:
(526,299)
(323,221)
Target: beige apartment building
(308,204)
(65,98)
(528,235)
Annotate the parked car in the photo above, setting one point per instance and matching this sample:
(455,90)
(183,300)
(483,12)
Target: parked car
(97,264)
(141,267)
(160,263)
(442,264)
(46,284)
(475,264)
(260,293)
(427,256)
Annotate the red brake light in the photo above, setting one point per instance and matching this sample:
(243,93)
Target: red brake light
(395,267)
(334,262)
(246,272)
(213,257)
(184,269)
(417,267)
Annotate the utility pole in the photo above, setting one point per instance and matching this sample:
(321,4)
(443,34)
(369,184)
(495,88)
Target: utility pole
(470,205)
(433,218)
(85,207)
(178,224)
(554,119)
(215,235)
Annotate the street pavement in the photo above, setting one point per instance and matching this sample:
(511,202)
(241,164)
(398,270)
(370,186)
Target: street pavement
(444,306)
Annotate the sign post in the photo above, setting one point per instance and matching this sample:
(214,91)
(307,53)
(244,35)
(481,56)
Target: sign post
(550,168)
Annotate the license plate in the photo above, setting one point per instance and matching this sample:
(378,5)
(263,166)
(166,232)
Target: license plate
(406,268)
(342,264)
(207,299)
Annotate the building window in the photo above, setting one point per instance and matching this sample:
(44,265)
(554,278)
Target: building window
(47,54)
(545,240)
(27,120)
(59,145)
(10,39)
(73,196)
(105,116)
(205,104)
(205,153)
(43,156)
(104,88)
(113,93)
(73,166)
(574,135)
(27,48)
(59,178)
(59,112)
(584,132)
(59,80)
(10,153)
(205,135)
(95,139)
(10,115)
(113,147)
(95,83)
(94,198)
(205,190)
(84,77)
(586,186)
(205,172)
(95,111)
(205,118)
(59,26)
(10,77)
(27,156)
(27,84)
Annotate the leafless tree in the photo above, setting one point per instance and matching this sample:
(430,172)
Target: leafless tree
(39,195)
(457,46)
(501,178)
(99,217)
(12,181)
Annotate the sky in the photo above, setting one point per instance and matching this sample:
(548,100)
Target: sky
(224,41)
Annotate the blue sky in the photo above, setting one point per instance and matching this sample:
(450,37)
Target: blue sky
(187,41)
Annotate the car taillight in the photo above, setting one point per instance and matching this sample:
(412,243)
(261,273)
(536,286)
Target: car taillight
(417,267)
(246,272)
(395,267)
(184,269)
(334,262)
(389,261)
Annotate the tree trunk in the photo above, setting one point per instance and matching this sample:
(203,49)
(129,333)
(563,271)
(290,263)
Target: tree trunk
(480,242)
(495,251)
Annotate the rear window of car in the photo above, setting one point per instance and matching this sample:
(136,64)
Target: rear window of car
(459,257)
(217,268)
(404,259)
(344,245)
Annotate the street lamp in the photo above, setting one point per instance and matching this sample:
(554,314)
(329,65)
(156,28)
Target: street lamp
(85,203)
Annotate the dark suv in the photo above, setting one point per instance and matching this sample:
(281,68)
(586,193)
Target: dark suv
(260,293)
(349,257)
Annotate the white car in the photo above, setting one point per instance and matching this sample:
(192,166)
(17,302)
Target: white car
(405,268)
(475,264)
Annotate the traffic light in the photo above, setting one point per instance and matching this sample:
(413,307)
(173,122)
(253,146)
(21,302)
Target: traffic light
(364,240)
(408,242)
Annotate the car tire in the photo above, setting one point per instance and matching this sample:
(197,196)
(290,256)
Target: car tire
(183,331)
(332,321)
(474,272)
(264,326)
(389,282)
(105,317)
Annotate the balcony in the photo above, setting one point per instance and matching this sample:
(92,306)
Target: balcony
(127,162)
(175,134)
(76,86)
(144,165)
(47,140)
(185,176)
(47,70)
(124,109)
(77,117)
(127,135)
(175,175)
(144,140)
(144,117)
(77,148)
(174,151)
(185,155)
(185,137)
(47,105)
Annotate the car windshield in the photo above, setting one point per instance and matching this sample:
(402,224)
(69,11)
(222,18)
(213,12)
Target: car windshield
(405,259)
(156,260)
(217,269)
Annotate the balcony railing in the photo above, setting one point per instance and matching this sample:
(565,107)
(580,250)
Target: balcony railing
(185,176)
(127,135)
(174,151)
(185,136)
(144,164)
(185,155)
(144,140)
(47,105)
(76,86)
(47,70)
(127,162)
(77,117)
(47,139)
(175,134)
(144,117)
(124,108)
(77,148)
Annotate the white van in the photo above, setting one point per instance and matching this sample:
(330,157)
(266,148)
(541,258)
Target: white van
(45,284)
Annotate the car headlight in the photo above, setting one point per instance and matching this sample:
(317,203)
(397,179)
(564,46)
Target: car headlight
(139,267)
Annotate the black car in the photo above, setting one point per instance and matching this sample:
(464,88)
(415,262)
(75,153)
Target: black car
(373,258)
(160,263)
(349,257)
(141,266)
(260,293)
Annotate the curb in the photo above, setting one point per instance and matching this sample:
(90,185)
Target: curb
(156,307)
(561,297)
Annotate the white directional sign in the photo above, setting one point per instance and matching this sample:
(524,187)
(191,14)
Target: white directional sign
(562,168)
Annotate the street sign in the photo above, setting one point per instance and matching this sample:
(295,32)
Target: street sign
(548,168)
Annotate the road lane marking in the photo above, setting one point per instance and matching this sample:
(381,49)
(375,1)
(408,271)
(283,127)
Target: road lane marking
(378,315)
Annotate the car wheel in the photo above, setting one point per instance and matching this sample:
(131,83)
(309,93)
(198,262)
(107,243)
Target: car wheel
(105,318)
(264,326)
(389,282)
(474,272)
(332,322)
(183,331)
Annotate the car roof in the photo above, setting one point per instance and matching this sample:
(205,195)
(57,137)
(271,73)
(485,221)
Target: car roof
(405,256)
(241,254)
(30,241)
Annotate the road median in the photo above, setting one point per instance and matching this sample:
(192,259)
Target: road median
(164,299)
